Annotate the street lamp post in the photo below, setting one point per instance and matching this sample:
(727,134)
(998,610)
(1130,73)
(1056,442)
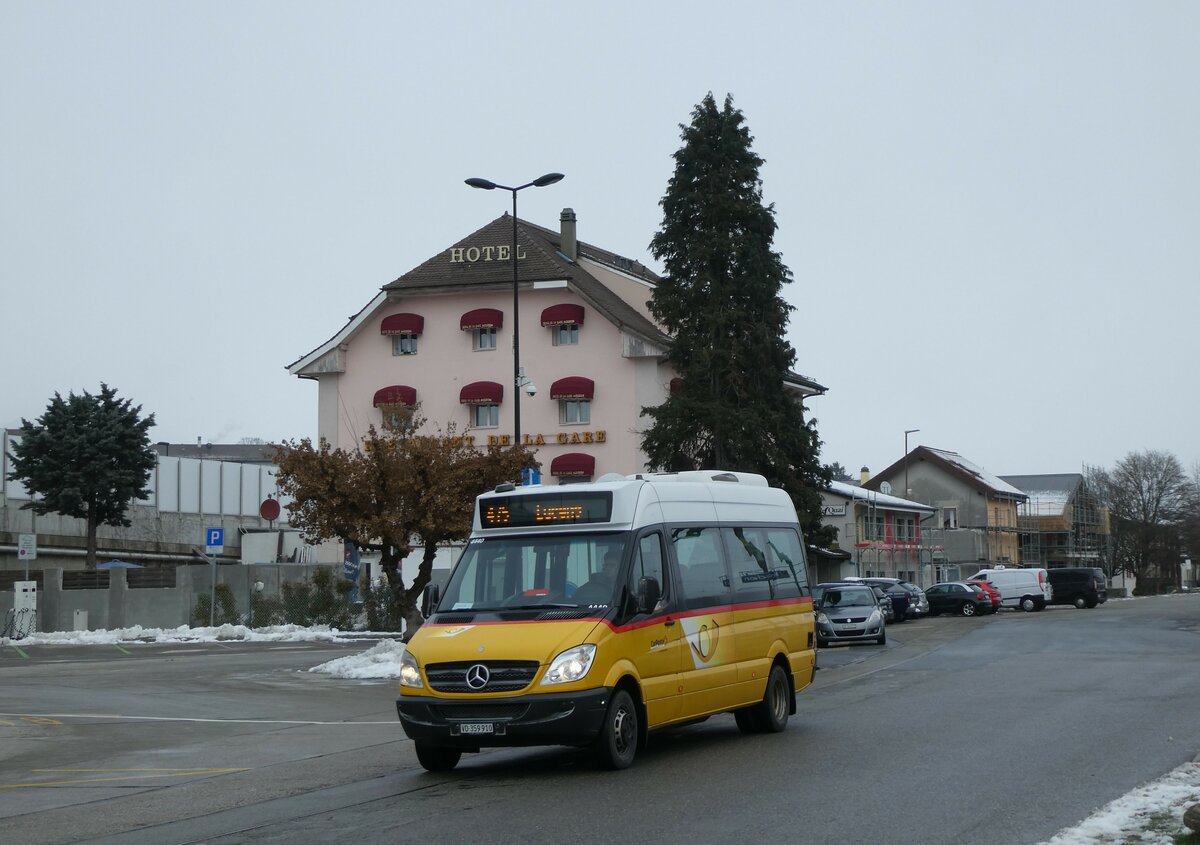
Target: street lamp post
(906,433)
(486,185)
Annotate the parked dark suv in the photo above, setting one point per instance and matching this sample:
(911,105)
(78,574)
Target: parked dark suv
(1082,586)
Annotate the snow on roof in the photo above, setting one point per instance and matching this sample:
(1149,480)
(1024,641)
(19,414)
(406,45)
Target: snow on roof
(993,481)
(853,492)
(1045,502)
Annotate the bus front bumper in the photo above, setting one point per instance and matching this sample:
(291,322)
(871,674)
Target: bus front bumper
(568,718)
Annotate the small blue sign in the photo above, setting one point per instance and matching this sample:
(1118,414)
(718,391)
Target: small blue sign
(216,537)
(530,476)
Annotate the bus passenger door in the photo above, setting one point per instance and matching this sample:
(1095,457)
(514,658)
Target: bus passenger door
(656,642)
(709,677)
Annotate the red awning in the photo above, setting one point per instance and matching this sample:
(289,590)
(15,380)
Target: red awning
(562,315)
(402,324)
(481,393)
(573,463)
(572,387)
(482,318)
(397,394)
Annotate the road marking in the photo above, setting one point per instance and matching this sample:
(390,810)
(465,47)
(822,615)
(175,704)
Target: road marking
(18,648)
(118,647)
(183,719)
(124,774)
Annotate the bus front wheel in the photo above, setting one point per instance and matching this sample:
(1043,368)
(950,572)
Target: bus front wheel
(435,758)
(617,743)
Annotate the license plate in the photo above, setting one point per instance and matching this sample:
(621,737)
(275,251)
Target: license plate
(476,728)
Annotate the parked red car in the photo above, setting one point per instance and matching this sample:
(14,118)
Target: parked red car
(991,591)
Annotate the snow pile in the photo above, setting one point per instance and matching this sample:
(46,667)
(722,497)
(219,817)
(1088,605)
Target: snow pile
(380,661)
(1149,815)
(184,634)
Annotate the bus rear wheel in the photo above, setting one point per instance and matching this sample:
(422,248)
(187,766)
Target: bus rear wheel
(771,714)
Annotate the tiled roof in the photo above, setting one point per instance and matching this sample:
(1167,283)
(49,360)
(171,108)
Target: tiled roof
(956,464)
(542,262)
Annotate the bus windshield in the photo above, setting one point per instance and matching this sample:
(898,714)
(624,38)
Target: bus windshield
(567,570)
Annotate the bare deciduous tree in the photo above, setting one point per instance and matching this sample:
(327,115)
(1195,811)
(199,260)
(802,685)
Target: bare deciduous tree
(1147,495)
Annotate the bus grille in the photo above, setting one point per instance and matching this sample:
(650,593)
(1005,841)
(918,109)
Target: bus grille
(503,675)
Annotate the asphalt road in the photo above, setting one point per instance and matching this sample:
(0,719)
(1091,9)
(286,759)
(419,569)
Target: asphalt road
(999,729)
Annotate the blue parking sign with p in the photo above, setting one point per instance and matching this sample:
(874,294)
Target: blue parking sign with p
(216,537)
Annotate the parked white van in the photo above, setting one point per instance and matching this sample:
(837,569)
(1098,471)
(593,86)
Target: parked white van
(1026,588)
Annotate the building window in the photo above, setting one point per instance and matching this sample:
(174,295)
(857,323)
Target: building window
(574,411)
(566,334)
(485,338)
(906,529)
(949,517)
(395,416)
(574,479)
(485,416)
(404,343)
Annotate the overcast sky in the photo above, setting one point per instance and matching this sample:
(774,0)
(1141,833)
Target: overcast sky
(991,210)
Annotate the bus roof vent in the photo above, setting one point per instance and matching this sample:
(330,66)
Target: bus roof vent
(725,476)
(505,487)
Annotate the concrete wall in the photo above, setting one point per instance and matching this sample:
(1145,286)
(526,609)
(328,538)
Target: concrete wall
(119,606)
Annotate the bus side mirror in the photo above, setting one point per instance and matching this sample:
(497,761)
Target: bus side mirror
(649,592)
(429,598)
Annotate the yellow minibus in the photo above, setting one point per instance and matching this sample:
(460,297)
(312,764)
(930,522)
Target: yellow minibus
(591,614)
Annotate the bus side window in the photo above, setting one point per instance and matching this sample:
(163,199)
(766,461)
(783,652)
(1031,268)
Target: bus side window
(701,566)
(752,579)
(648,563)
(785,554)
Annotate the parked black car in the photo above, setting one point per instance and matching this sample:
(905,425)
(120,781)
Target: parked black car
(957,597)
(1082,586)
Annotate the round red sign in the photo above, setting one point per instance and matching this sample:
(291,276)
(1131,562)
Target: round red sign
(269,510)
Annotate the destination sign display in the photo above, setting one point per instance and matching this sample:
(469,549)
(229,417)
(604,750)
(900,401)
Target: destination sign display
(545,509)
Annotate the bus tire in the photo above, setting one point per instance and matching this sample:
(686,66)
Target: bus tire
(436,758)
(771,714)
(617,744)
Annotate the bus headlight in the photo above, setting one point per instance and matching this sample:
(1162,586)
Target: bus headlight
(410,673)
(570,666)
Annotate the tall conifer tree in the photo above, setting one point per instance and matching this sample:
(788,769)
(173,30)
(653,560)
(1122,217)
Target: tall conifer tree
(721,303)
(87,457)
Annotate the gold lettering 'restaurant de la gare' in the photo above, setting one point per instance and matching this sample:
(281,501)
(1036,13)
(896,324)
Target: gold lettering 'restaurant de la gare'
(474,254)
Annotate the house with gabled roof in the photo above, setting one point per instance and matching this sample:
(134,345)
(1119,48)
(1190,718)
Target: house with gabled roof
(440,336)
(976,510)
(879,535)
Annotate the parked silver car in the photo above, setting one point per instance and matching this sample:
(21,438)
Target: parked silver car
(848,613)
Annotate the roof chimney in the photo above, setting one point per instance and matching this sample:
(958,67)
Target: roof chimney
(864,475)
(567,243)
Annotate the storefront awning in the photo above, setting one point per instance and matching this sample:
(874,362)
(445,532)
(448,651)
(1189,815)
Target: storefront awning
(572,387)
(573,464)
(481,393)
(482,318)
(402,324)
(562,315)
(396,394)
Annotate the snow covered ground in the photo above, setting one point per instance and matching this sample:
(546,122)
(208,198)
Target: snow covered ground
(1149,815)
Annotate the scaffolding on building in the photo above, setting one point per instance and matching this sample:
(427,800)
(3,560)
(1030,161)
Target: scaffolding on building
(1064,529)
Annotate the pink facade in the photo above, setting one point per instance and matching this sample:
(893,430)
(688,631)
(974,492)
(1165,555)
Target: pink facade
(421,335)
